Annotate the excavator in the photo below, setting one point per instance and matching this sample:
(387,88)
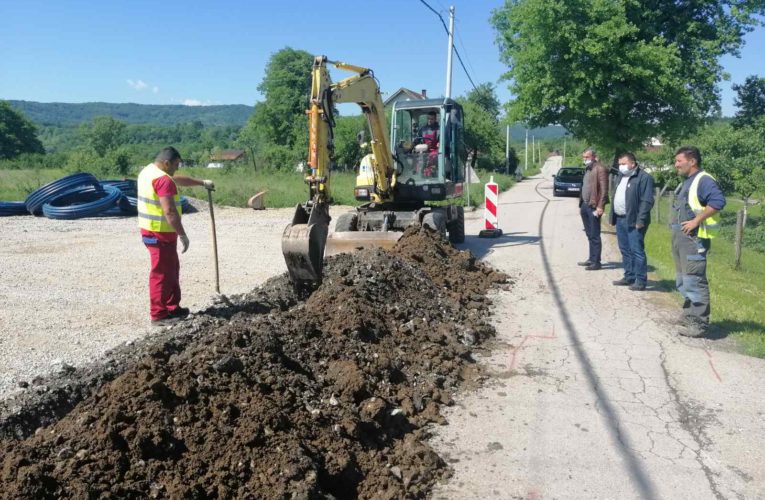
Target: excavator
(398,181)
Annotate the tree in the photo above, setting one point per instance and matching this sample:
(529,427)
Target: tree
(104,134)
(18,135)
(617,72)
(750,101)
(277,128)
(482,135)
(736,157)
(348,152)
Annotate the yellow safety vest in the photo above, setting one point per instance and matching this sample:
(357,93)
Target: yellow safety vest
(709,226)
(150,214)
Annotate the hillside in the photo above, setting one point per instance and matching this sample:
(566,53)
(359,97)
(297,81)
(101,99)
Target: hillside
(58,113)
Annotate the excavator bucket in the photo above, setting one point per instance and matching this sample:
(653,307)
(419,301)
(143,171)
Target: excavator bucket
(303,245)
(351,241)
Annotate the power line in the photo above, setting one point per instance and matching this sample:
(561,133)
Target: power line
(462,44)
(456,52)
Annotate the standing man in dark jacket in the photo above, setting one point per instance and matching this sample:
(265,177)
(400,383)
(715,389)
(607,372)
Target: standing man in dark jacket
(592,203)
(697,200)
(631,214)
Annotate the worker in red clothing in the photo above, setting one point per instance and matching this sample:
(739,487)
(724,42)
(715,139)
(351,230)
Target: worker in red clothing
(159,218)
(430,134)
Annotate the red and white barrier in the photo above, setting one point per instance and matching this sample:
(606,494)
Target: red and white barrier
(491,224)
(490,210)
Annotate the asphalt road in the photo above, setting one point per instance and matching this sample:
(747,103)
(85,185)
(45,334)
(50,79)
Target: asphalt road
(592,392)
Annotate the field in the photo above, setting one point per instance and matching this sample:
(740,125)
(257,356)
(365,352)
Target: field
(234,186)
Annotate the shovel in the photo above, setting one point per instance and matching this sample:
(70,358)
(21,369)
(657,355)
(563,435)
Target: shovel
(220,296)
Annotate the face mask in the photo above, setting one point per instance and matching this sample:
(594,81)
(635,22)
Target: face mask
(624,169)
(587,163)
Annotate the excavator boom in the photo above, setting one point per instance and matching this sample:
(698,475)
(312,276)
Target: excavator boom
(304,241)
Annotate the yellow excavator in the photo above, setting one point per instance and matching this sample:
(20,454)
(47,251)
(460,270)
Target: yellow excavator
(419,162)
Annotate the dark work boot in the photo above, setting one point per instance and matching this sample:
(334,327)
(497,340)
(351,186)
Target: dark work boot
(179,312)
(623,282)
(595,266)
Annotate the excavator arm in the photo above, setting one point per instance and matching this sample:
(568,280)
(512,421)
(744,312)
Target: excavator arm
(364,91)
(304,241)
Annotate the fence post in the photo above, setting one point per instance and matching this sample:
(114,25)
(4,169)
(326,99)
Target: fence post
(657,204)
(739,237)
(671,204)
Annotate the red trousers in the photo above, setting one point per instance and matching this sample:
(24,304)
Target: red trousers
(164,286)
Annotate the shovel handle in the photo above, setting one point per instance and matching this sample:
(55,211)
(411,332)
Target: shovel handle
(214,240)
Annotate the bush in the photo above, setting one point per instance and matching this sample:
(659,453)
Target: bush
(35,161)
(277,157)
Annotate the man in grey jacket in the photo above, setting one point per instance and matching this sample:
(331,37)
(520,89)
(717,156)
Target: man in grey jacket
(631,214)
(592,203)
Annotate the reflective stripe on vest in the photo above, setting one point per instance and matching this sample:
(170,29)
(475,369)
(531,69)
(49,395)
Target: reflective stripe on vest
(709,226)
(151,217)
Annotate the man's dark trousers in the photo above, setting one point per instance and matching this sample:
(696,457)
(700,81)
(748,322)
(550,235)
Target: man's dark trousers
(592,229)
(632,246)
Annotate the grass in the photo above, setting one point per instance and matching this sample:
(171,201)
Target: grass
(285,189)
(477,190)
(15,185)
(737,304)
(233,187)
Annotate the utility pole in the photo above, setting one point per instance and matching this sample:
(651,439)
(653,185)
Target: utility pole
(563,162)
(526,153)
(449,54)
(533,150)
(448,92)
(507,150)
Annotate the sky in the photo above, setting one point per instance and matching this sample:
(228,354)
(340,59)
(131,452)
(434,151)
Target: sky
(197,53)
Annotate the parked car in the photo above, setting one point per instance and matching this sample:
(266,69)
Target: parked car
(568,180)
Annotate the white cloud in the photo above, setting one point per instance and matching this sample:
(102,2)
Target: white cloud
(138,85)
(195,102)
(155,89)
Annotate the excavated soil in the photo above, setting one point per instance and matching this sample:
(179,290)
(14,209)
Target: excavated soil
(269,396)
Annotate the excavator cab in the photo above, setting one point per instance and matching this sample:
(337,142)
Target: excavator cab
(427,156)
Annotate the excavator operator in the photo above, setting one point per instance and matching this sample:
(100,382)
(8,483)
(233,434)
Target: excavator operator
(430,135)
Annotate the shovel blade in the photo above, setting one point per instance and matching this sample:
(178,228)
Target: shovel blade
(352,241)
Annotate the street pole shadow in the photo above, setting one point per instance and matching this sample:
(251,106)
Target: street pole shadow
(480,247)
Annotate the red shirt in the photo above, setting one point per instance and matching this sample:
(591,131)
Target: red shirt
(163,186)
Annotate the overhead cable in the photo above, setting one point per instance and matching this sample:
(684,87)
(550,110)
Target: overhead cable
(456,52)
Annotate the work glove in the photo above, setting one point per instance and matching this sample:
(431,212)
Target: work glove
(184,242)
(209,185)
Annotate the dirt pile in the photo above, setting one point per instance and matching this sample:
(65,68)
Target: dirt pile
(276,397)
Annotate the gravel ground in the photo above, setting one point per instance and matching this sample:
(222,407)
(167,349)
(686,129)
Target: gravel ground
(71,290)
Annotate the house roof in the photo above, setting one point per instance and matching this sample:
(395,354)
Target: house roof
(227,154)
(410,94)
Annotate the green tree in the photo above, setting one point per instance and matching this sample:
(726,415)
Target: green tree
(348,152)
(617,72)
(277,128)
(483,140)
(104,134)
(736,157)
(750,101)
(18,135)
